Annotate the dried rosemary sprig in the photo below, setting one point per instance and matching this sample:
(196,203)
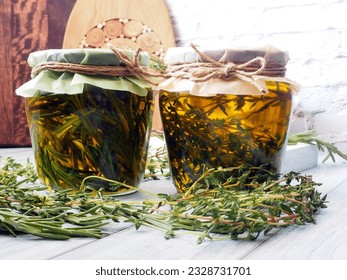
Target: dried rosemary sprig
(239,206)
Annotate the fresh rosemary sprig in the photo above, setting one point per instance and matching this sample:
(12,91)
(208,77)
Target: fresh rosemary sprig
(251,201)
(310,137)
(51,228)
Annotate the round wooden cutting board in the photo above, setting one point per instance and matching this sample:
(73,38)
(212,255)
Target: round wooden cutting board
(125,24)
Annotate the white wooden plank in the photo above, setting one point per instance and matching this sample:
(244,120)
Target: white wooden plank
(147,244)
(329,174)
(26,246)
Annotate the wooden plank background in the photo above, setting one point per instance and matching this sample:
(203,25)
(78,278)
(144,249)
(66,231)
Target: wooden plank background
(26,26)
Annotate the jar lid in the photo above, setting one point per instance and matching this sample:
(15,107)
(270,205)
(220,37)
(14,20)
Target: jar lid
(97,57)
(55,71)
(237,55)
(236,70)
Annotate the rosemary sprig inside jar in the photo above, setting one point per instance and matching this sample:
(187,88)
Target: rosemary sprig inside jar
(79,135)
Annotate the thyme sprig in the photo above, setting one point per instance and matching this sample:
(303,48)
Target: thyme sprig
(241,205)
(242,208)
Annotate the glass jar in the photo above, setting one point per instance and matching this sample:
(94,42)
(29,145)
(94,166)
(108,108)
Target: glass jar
(225,121)
(88,125)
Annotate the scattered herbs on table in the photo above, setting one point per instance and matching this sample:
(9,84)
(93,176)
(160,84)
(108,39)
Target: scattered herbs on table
(216,206)
(240,206)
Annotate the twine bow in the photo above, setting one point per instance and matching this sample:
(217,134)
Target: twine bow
(211,69)
(134,67)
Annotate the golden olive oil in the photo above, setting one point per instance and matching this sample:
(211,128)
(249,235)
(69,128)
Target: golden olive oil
(225,130)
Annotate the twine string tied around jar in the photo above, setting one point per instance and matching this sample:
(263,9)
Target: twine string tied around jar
(209,68)
(131,67)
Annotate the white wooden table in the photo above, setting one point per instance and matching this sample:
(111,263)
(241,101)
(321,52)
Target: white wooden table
(325,240)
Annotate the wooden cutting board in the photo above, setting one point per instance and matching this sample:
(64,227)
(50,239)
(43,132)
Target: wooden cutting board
(124,23)
(130,23)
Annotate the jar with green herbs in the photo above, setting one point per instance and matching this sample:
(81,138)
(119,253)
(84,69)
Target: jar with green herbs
(89,118)
(224,108)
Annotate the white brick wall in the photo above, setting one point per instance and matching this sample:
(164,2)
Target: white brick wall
(313,31)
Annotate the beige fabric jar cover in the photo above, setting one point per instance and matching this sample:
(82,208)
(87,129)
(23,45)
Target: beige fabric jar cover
(207,72)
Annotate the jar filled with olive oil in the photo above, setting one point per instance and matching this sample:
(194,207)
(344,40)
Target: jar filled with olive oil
(225,108)
(89,119)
